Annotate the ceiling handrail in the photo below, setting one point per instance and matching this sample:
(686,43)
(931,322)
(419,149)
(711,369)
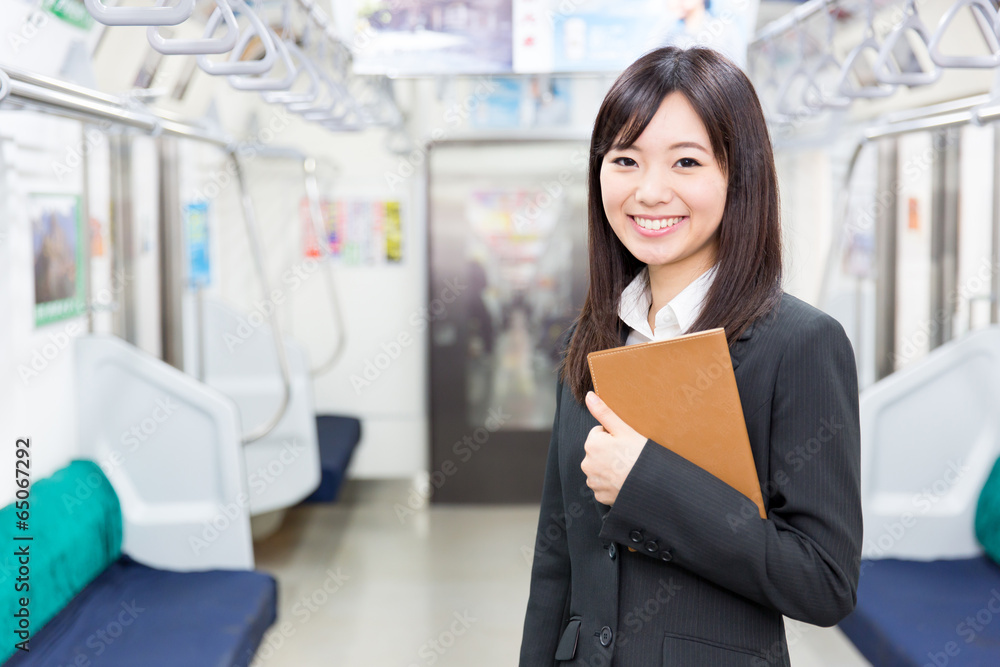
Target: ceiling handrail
(4,84)
(244,67)
(770,83)
(143,16)
(882,70)
(253,236)
(207,44)
(261,82)
(987,21)
(814,95)
(336,93)
(316,217)
(869,42)
(784,105)
(305,66)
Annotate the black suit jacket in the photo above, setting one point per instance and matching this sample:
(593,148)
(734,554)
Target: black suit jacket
(709,580)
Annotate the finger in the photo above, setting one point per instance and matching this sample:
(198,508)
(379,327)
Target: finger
(611,422)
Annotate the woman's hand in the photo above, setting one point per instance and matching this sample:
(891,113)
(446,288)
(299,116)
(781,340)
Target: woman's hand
(611,450)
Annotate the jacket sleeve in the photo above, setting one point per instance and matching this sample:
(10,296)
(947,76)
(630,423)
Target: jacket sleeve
(548,599)
(804,559)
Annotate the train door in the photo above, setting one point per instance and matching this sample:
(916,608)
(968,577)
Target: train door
(508,258)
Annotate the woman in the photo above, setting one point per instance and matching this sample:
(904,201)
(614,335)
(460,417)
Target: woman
(684,236)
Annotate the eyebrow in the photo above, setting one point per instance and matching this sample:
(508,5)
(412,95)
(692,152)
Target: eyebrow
(679,144)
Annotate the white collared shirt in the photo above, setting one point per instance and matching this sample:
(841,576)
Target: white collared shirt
(671,320)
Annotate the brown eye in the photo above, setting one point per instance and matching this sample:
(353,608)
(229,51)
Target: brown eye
(619,161)
(688,162)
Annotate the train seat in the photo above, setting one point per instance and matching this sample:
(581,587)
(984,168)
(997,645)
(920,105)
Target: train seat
(93,604)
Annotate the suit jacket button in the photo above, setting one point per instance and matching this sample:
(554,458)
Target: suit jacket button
(635,536)
(652,547)
(666,556)
(606,636)
(613,551)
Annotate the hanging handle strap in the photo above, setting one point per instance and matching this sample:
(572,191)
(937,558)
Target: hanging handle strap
(887,70)
(986,20)
(207,43)
(158,15)
(236,66)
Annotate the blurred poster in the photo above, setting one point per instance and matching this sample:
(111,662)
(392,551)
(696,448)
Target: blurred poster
(196,234)
(57,239)
(358,232)
(72,12)
(519,297)
(411,37)
(603,35)
(49,37)
(524,102)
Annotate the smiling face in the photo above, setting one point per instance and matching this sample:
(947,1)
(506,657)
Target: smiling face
(664,195)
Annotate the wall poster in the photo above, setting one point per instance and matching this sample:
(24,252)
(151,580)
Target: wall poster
(59,256)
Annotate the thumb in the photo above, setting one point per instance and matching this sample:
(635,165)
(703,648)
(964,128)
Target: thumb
(611,422)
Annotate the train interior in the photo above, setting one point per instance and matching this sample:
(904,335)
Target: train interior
(279,328)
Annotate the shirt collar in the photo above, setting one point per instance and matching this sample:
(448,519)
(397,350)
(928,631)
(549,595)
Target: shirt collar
(679,314)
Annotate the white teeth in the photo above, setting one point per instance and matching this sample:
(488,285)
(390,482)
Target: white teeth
(658,223)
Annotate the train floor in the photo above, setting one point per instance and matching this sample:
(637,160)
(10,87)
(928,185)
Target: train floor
(371,581)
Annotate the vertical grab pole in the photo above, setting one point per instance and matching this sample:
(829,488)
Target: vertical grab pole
(944,236)
(995,263)
(122,242)
(885,258)
(253,237)
(316,215)
(172,280)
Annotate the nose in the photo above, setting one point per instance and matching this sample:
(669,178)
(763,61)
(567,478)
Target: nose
(653,188)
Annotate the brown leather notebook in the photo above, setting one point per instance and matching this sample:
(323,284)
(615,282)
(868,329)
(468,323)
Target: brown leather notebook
(681,393)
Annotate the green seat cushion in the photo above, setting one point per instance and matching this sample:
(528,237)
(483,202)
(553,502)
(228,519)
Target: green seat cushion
(988,514)
(75,523)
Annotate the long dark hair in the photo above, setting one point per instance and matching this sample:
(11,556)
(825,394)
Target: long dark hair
(747,283)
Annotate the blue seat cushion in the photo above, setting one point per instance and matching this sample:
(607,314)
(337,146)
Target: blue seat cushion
(915,613)
(134,615)
(338,436)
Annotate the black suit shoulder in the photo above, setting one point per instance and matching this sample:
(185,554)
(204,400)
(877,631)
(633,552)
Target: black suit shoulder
(794,322)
